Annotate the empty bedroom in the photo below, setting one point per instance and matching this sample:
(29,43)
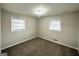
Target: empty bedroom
(39,29)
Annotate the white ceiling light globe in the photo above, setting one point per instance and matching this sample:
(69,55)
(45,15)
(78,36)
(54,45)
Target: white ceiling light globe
(40,11)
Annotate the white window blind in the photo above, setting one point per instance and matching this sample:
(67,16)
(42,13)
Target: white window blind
(55,25)
(17,24)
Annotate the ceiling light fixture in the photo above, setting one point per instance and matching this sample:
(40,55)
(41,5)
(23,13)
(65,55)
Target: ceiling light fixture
(40,11)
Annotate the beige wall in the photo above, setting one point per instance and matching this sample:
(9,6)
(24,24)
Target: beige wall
(10,38)
(0,30)
(68,34)
(78,30)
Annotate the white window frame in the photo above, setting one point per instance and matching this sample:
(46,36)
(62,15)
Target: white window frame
(18,29)
(54,28)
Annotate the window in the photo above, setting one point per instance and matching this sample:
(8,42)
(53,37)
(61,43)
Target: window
(17,24)
(55,25)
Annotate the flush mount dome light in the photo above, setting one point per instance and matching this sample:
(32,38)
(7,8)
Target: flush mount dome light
(40,11)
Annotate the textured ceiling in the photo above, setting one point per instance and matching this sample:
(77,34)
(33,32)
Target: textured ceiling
(52,8)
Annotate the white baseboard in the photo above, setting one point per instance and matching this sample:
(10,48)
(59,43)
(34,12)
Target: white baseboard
(57,42)
(19,42)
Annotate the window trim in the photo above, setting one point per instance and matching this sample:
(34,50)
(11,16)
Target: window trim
(18,18)
(57,19)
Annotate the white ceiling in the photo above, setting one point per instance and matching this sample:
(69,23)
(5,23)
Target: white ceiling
(52,8)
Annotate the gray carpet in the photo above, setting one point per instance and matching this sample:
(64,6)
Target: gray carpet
(40,47)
